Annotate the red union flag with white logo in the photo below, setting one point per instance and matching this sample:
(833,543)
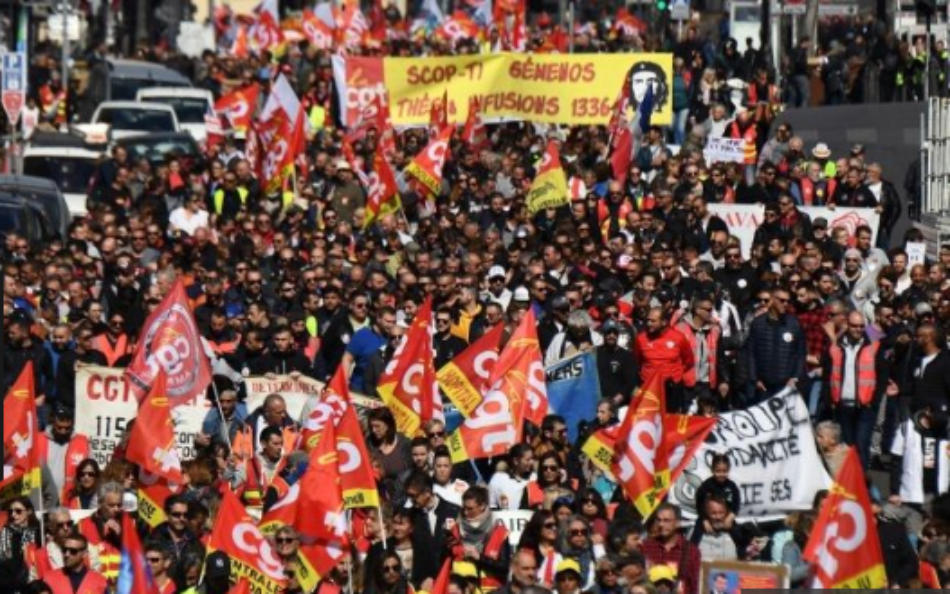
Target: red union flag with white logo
(408,385)
(170,342)
(239,107)
(152,441)
(638,446)
(426,168)
(252,556)
(844,546)
(319,34)
(464,379)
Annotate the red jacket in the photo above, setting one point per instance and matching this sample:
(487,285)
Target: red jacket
(669,354)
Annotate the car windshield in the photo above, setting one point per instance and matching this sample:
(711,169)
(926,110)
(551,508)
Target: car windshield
(72,175)
(138,119)
(125,89)
(156,150)
(190,110)
(9,219)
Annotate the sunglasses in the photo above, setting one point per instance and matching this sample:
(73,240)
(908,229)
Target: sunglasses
(579,532)
(437,434)
(551,525)
(61,525)
(550,468)
(391,568)
(73,551)
(154,559)
(17,510)
(87,473)
(285,540)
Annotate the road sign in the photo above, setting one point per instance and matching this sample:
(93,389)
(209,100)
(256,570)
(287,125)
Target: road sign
(14,85)
(679,10)
(794,7)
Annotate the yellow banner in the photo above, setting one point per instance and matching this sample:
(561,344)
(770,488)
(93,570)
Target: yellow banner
(549,190)
(459,389)
(549,88)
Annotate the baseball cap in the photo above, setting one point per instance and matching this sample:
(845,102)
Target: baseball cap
(660,573)
(217,565)
(853,253)
(568,565)
(521,294)
(923,309)
(821,222)
(495,272)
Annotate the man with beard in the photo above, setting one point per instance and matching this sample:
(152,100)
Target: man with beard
(343,323)
(478,539)
(736,277)
(853,192)
(577,337)
(21,346)
(62,450)
(664,350)
(506,489)
(776,348)
(705,377)
(852,273)
(75,575)
(283,357)
(667,546)
(220,336)
(616,367)
(103,530)
(447,346)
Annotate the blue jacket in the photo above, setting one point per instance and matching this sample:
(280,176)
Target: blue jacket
(776,350)
(212,424)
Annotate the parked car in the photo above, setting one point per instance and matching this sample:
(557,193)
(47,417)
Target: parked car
(43,193)
(190,105)
(120,80)
(71,166)
(27,219)
(130,118)
(158,147)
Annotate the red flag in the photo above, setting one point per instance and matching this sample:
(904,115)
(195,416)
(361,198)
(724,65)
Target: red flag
(277,139)
(170,341)
(323,528)
(621,138)
(334,409)
(152,441)
(239,107)
(20,423)
(439,114)
(519,374)
(134,575)
(458,27)
(465,378)
(215,134)
(265,33)
(441,584)
(844,546)
(426,168)
(241,587)
(474,133)
(153,491)
(239,48)
(638,446)
(628,24)
(382,196)
(236,534)
(319,34)
(408,385)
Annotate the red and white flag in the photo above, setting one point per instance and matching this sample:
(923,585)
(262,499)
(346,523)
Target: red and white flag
(170,342)
(319,34)
(239,107)
(152,441)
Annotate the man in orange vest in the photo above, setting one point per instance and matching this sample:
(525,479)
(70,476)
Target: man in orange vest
(62,450)
(114,343)
(857,378)
(258,472)
(703,379)
(104,532)
(75,577)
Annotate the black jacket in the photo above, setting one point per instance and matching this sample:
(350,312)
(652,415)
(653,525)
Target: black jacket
(432,542)
(932,388)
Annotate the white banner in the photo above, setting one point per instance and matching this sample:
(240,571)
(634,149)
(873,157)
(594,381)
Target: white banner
(105,405)
(295,393)
(515,521)
(724,150)
(775,461)
(744,219)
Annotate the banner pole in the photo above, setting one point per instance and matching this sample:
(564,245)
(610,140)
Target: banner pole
(224,421)
(382,526)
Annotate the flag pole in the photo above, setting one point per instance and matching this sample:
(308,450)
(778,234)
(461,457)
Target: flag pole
(227,426)
(382,526)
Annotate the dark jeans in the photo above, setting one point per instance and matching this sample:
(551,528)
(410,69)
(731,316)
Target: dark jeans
(857,426)
(677,400)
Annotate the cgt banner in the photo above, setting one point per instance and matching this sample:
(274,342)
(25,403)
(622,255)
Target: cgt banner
(550,88)
(105,404)
(744,219)
(775,461)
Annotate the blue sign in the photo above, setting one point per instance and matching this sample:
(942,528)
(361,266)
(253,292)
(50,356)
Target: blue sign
(14,72)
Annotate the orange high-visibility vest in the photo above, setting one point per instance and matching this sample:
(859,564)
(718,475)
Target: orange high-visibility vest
(866,374)
(749,152)
(712,346)
(92,583)
(112,353)
(110,558)
(77,451)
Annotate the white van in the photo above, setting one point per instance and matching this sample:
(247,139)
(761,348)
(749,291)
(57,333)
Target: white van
(131,118)
(71,168)
(190,105)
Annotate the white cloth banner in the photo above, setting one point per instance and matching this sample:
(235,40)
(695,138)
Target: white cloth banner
(724,150)
(515,521)
(775,461)
(295,392)
(105,405)
(744,219)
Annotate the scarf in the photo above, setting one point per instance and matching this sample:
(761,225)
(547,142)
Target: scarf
(13,540)
(475,532)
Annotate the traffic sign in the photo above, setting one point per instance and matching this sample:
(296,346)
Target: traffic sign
(794,7)
(679,10)
(13,85)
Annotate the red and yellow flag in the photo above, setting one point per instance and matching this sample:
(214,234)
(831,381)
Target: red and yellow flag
(152,441)
(252,556)
(464,379)
(638,446)
(239,106)
(844,546)
(549,188)
(20,430)
(519,374)
(426,168)
(408,385)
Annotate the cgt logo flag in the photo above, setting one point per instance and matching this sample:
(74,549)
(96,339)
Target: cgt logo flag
(464,379)
(426,168)
(238,106)
(20,423)
(170,342)
(252,556)
(844,545)
(334,411)
(408,384)
(152,441)
(549,188)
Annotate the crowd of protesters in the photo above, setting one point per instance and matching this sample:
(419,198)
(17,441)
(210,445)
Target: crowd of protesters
(638,271)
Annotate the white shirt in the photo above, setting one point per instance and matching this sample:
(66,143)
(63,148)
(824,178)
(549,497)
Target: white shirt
(505,487)
(849,382)
(451,492)
(180,220)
